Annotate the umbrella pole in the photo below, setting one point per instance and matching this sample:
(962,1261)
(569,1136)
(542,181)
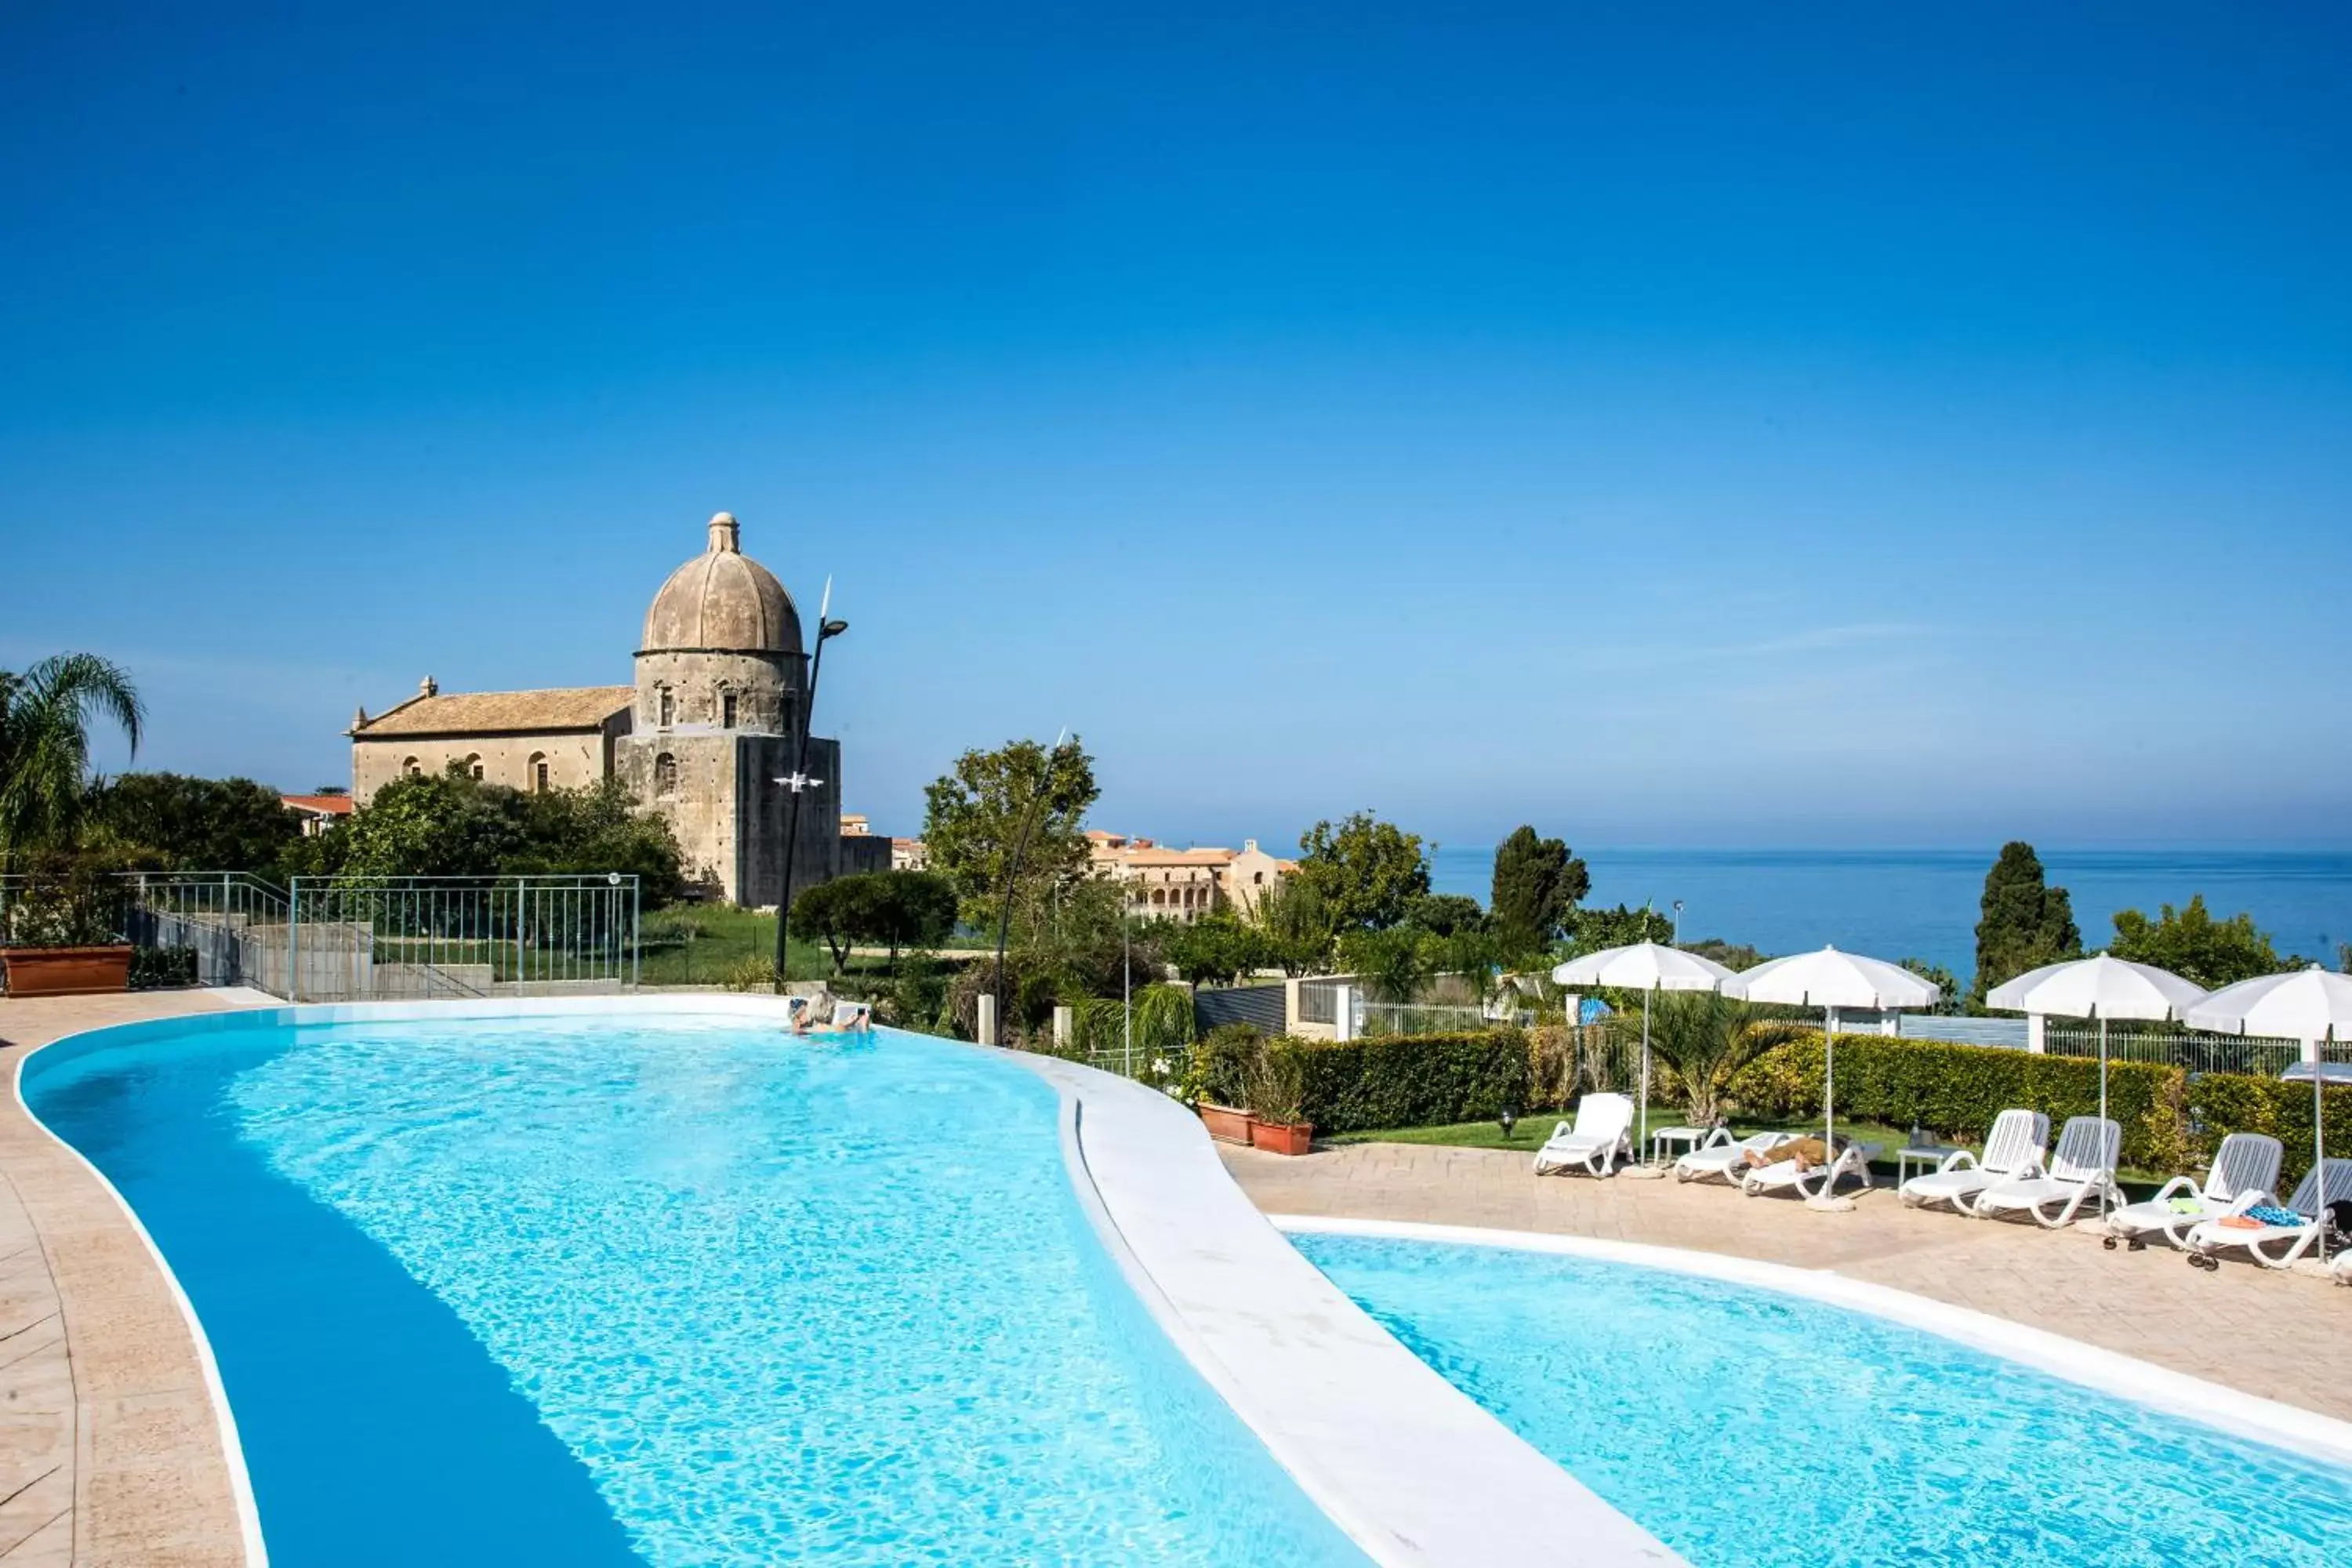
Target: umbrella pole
(2319,1135)
(1828,1089)
(2103,1102)
(1643,1153)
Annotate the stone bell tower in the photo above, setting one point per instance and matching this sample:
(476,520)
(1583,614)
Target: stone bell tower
(720,679)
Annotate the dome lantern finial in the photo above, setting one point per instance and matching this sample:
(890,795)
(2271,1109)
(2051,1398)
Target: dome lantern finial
(726,536)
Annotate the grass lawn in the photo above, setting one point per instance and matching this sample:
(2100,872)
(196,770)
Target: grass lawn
(724,938)
(1532,1129)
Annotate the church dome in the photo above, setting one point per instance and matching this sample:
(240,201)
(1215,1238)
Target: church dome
(722,601)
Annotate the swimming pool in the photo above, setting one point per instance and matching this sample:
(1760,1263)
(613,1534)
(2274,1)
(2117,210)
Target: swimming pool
(1749,1428)
(667,1289)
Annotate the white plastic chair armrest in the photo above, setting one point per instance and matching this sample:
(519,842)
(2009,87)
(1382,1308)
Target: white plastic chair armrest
(1953,1160)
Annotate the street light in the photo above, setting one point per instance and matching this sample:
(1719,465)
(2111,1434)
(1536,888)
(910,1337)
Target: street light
(797,781)
(1676,940)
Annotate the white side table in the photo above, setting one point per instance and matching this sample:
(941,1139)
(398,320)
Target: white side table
(1929,1154)
(1665,1141)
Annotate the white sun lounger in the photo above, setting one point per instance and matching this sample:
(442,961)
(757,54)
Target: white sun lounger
(1722,1154)
(1821,1181)
(2276,1246)
(1596,1143)
(2016,1141)
(2083,1169)
(2246,1162)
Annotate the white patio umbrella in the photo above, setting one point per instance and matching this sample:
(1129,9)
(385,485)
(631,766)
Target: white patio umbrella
(2098,987)
(2312,1005)
(1645,966)
(1831,981)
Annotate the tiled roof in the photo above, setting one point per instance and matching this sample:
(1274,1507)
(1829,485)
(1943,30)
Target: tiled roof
(500,712)
(327,804)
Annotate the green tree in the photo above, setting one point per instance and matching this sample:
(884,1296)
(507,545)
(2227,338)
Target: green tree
(2194,945)
(1446,914)
(1589,931)
(45,715)
(838,913)
(975,817)
(1950,998)
(1213,950)
(2023,922)
(1295,925)
(1537,884)
(910,908)
(197,824)
(1732,956)
(449,825)
(1392,962)
(1366,872)
(1707,1038)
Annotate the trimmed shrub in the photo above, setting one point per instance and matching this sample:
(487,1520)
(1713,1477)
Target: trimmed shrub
(1411,1080)
(2170,1119)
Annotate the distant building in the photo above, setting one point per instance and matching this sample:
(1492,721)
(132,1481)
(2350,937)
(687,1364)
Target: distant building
(318,812)
(1185,884)
(703,734)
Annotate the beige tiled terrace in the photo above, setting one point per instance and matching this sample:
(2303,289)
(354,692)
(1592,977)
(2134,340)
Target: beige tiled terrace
(2282,1336)
(110,1448)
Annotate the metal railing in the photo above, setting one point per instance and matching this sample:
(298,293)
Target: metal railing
(224,918)
(2188,1048)
(1417,1018)
(1318,999)
(425,937)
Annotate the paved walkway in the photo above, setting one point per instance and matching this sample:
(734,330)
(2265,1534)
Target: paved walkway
(2284,1336)
(110,1448)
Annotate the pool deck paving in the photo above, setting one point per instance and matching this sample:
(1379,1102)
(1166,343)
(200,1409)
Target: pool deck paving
(110,1450)
(2262,1331)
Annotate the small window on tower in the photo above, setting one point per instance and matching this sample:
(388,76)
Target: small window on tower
(664,774)
(538,772)
(727,711)
(669,709)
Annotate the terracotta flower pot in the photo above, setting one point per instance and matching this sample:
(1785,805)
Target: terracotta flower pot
(1226,1124)
(65,970)
(1283,1137)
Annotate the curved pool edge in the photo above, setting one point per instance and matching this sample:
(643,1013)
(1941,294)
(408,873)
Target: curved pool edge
(1406,1465)
(2241,1414)
(151,1466)
(1411,1467)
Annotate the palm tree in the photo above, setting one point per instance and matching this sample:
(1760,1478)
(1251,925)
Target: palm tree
(1706,1039)
(45,714)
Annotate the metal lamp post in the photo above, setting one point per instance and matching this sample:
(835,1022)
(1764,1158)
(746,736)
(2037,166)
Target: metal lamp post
(798,778)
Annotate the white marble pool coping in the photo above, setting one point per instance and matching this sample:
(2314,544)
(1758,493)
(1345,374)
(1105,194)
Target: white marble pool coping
(1407,1465)
(2304,1432)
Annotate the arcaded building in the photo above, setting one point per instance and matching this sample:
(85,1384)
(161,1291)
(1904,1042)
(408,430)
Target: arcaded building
(702,734)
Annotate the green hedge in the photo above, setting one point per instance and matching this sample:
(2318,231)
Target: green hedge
(1955,1090)
(1411,1080)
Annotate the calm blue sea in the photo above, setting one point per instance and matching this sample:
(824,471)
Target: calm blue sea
(1906,903)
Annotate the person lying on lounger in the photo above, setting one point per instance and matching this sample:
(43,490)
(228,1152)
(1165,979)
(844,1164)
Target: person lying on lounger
(1807,1152)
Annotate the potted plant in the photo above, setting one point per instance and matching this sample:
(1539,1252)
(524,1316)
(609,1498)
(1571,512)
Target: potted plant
(1218,1071)
(60,940)
(1277,1102)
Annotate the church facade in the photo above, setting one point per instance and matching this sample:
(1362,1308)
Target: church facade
(702,735)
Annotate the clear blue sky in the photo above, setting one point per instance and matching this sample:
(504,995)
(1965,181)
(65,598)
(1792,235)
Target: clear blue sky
(1732,424)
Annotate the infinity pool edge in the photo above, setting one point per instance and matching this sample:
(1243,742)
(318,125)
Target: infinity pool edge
(2144,1383)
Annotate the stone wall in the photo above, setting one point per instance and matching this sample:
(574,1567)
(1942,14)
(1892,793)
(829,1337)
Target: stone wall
(574,760)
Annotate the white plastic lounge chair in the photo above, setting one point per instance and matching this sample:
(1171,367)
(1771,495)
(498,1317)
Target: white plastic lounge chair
(2276,1246)
(1720,1154)
(1781,1175)
(2083,1168)
(1596,1143)
(2018,1139)
(2246,1162)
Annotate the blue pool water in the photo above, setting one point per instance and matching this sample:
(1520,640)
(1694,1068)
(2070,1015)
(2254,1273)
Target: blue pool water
(546,1291)
(1748,1429)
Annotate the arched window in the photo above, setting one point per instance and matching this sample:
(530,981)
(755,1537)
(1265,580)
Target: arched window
(727,711)
(474,766)
(667,709)
(538,772)
(664,774)
(411,766)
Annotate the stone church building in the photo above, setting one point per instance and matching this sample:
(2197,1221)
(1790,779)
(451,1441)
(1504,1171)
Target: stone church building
(703,735)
